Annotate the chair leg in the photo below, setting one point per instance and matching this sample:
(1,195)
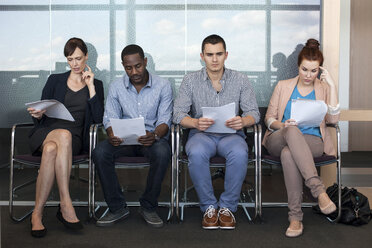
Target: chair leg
(338,193)
(247,213)
(12,191)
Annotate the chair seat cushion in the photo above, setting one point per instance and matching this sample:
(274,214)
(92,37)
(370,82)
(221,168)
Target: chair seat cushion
(132,160)
(36,160)
(322,160)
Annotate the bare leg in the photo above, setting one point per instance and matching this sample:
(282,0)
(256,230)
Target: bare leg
(56,162)
(63,166)
(44,182)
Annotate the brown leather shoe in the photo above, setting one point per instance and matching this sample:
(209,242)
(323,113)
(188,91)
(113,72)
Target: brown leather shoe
(210,219)
(226,219)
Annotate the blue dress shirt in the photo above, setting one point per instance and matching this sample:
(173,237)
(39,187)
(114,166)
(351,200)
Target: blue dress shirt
(154,102)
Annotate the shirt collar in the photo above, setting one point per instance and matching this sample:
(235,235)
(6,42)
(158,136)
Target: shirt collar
(224,77)
(127,83)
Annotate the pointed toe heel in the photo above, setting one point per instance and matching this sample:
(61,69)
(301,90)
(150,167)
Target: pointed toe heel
(38,233)
(69,225)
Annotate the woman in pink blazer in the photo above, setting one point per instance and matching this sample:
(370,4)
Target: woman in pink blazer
(297,146)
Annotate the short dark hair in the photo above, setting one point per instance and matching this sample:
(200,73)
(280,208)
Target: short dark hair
(213,39)
(311,52)
(132,49)
(72,44)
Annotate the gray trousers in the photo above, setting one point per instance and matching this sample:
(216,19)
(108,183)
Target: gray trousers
(296,152)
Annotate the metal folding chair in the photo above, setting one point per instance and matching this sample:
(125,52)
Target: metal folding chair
(180,158)
(27,159)
(120,163)
(266,158)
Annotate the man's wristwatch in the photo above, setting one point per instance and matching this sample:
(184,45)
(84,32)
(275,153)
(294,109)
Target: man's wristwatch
(157,138)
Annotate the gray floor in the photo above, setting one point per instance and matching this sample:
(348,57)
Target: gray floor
(133,232)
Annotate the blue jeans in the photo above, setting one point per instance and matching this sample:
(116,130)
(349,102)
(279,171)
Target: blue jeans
(104,156)
(200,147)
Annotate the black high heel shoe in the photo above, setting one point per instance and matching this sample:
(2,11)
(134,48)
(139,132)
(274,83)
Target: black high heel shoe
(69,225)
(37,233)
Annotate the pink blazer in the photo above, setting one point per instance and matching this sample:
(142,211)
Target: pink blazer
(278,102)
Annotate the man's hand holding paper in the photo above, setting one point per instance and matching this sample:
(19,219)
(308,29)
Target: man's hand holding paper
(223,118)
(128,130)
(308,113)
(203,123)
(148,139)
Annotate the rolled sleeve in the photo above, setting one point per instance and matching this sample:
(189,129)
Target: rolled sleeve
(333,110)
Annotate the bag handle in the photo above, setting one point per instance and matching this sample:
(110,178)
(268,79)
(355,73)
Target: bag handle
(356,201)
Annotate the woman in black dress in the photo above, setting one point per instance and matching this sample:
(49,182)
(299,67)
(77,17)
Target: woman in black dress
(57,140)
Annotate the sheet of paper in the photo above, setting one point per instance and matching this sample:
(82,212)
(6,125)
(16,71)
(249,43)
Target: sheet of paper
(129,129)
(54,109)
(220,115)
(308,113)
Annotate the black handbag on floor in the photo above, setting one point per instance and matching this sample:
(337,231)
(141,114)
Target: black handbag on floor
(355,208)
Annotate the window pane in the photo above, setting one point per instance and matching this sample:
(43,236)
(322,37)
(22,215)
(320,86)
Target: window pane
(24,2)
(296,2)
(24,63)
(171,38)
(162,35)
(93,28)
(289,32)
(156,1)
(80,1)
(46,2)
(121,33)
(195,2)
(247,2)
(243,32)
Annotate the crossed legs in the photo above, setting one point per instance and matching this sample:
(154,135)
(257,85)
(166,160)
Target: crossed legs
(56,162)
(296,152)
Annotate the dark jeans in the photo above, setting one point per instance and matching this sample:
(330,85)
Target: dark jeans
(104,156)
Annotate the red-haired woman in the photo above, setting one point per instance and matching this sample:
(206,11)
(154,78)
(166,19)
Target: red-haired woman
(295,145)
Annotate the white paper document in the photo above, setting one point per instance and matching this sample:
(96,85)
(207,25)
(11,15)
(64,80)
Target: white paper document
(308,113)
(54,109)
(129,129)
(220,115)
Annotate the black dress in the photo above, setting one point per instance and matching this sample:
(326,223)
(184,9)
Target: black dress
(76,103)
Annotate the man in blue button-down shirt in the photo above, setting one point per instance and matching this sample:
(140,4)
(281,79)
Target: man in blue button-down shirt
(214,86)
(136,94)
